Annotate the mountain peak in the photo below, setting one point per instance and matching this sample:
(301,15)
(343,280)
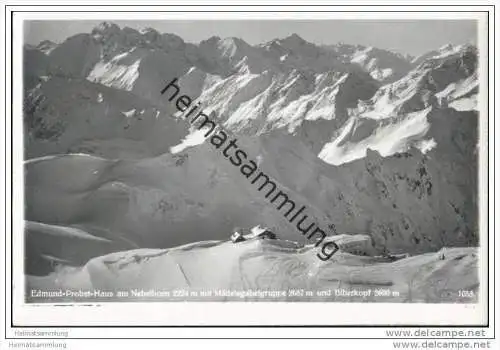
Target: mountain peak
(447,47)
(295,36)
(212,39)
(46,46)
(105,29)
(293,39)
(148,30)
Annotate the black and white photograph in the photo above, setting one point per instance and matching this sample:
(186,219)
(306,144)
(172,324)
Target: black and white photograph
(246,167)
(331,161)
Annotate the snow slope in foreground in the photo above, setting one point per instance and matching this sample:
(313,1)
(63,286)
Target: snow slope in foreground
(267,265)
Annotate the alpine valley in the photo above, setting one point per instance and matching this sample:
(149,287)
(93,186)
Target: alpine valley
(121,193)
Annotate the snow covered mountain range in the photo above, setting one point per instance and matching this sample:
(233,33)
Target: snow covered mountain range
(376,143)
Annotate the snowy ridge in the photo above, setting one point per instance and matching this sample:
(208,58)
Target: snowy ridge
(115,75)
(387,140)
(282,83)
(217,266)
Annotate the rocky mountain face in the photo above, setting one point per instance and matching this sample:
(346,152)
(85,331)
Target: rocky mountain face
(369,140)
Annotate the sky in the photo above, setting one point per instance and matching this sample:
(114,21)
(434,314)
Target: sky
(412,37)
